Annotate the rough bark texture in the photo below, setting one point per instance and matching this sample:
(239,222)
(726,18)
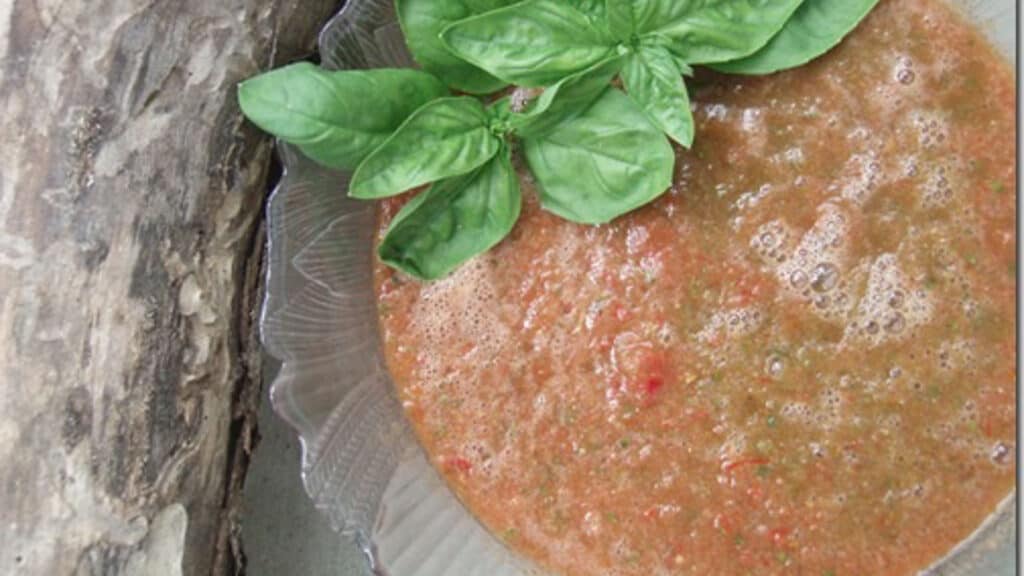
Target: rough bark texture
(130,202)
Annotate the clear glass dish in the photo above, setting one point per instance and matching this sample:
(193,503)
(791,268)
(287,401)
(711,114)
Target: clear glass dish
(362,465)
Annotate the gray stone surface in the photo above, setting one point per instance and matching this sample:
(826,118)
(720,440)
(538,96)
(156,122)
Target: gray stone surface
(130,199)
(282,533)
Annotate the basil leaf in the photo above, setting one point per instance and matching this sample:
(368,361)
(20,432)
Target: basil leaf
(595,9)
(654,81)
(656,41)
(533,43)
(454,220)
(705,31)
(447,137)
(815,28)
(621,18)
(602,163)
(335,118)
(422,22)
(499,115)
(573,95)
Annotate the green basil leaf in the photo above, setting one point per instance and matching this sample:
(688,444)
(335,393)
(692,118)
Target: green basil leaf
(815,28)
(335,118)
(572,95)
(447,137)
(602,163)
(500,111)
(622,19)
(654,81)
(705,31)
(656,41)
(595,9)
(454,220)
(533,43)
(422,22)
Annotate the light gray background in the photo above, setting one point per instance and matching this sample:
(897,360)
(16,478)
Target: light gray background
(283,534)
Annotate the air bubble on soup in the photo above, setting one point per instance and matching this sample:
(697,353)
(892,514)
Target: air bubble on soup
(931,126)
(861,177)
(772,241)
(938,189)
(478,455)
(460,311)
(813,269)
(910,166)
(891,306)
(955,354)
(904,72)
(798,411)
(730,324)
(1000,453)
(824,277)
(774,365)
(789,157)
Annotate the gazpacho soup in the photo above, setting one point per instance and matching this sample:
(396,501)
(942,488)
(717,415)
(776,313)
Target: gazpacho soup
(800,360)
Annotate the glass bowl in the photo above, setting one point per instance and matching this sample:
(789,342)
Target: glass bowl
(362,464)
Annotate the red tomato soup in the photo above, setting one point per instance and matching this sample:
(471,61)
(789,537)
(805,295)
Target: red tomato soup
(800,360)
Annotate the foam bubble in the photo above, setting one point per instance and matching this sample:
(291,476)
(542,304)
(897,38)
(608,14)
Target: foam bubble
(771,241)
(774,365)
(909,166)
(956,354)
(904,70)
(891,306)
(730,324)
(813,269)
(824,277)
(798,411)
(931,126)
(937,191)
(1000,453)
(861,176)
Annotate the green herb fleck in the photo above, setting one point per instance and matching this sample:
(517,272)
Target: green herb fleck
(763,471)
(771,421)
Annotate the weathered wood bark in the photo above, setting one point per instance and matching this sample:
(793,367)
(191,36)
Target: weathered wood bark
(130,197)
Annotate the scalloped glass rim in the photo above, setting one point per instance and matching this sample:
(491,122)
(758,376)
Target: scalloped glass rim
(361,463)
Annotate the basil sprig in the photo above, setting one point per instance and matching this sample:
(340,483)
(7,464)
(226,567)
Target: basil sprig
(592,151)
(538,42)
(595,152)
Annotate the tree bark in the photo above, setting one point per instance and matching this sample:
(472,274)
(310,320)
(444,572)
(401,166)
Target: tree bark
(130,203)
